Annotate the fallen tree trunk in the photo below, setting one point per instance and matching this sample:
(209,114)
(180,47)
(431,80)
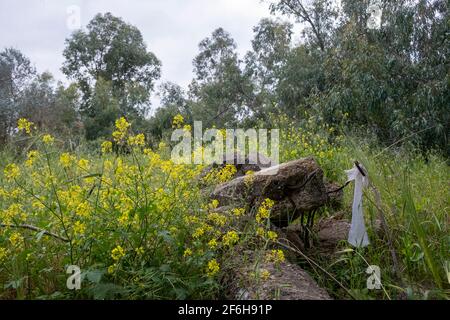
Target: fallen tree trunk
(296,186)
(285,281)
(298,189)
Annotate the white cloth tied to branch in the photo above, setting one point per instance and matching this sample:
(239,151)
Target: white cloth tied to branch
(358,235)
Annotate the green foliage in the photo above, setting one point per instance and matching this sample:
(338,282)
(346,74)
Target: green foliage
(384,80)
(344,92)
(51,108)
(414,201)
(220,85)
(301,77)
(390,82)
(103,112)
(318,15)
(114,52)
(137,224)
(16,72)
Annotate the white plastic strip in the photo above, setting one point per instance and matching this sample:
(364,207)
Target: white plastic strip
(358,235)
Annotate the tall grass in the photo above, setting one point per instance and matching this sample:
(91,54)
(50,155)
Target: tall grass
(415,197)
(137,224)
(155,211)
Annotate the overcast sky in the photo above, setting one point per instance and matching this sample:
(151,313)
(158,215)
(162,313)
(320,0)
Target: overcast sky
(171,29)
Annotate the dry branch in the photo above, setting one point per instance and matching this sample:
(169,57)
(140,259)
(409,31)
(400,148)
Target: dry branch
(36,229)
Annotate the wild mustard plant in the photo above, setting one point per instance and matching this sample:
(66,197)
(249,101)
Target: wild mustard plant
(120,216)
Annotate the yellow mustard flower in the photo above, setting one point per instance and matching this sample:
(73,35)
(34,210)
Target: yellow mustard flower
(238,211)
(276,256)
(213,267)
(198,232)
(66,159)
(214,204)
(230,238)
(83,209)
(272,235)
(177,121)
(16,239)
(265,274)
(11,171)
(112,268)
(123,219)
(137,140)
(162,145)
(260,232)
(31,157)
(264,210)
(24,125)
(83,164)
(106,147)
(227,172)
(139,251)
(79,228)
(217,218)
(187,252)
(48,139)
(212,243)
(36,204)
(117,253)
(3,253)
(122,126)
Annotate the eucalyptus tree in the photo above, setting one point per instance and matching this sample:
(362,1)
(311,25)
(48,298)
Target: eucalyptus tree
(219,88)
(114,51)
(319,17)
(271,45)
(16,73)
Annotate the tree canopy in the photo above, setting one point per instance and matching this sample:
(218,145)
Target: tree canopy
(388,81)
(111,51)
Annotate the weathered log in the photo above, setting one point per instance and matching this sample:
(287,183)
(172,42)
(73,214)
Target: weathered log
(335,195)
(296,186)
(286,281)
(298,189)
(254,161)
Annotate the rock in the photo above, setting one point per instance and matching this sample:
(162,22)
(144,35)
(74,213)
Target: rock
(330,232)
(293,185)
(298,189)
(254,161)
(336,198)
(286,282)
(260,160)
(291,236)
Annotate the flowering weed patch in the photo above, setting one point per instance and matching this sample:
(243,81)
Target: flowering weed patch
(137,225)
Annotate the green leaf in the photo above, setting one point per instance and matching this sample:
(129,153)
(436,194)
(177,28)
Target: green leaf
(39,235)
(94,276)
(14,284)
(106,291)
